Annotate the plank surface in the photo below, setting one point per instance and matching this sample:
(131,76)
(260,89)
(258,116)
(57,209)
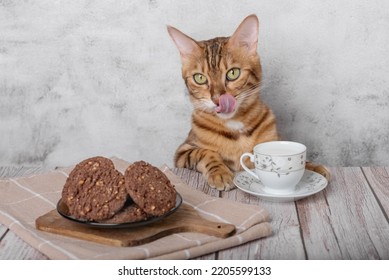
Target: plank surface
(378,178)
(19,171)
(284,243)
(359,225)
(317,229)
(196,181)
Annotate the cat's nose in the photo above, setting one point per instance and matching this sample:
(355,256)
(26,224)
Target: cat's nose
(216,98)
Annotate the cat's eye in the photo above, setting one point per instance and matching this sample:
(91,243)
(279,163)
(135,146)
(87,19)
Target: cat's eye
(233,74)
(199,79)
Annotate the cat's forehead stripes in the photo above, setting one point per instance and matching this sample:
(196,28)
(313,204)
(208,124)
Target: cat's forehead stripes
(213,52)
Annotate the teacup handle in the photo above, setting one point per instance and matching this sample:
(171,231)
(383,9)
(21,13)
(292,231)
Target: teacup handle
(251,156)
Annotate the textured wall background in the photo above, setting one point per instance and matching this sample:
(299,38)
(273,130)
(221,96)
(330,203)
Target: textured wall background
(84,78)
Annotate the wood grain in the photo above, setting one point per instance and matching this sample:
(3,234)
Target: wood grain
(196,181)
(317,229)
(284,243)
(185,219)
(19,171)
(378,179)
(359,226)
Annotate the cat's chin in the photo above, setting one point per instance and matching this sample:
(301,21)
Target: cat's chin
(225,116)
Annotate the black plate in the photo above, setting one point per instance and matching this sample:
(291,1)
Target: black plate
(64,212)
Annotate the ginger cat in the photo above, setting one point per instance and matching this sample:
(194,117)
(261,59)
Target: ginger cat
(223,76)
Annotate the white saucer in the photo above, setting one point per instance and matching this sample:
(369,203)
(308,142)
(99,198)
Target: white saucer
(310,184)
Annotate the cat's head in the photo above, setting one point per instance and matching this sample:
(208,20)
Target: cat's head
(223,74)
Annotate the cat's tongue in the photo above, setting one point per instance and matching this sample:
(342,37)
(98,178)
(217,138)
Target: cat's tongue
(226,104)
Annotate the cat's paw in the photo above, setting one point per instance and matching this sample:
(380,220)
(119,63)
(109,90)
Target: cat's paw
(221,178)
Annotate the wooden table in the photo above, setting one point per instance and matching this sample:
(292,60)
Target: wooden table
(348,220)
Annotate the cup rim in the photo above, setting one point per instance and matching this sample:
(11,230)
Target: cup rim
(260,145)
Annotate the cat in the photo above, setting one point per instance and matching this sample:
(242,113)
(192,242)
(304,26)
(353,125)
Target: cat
(223,77)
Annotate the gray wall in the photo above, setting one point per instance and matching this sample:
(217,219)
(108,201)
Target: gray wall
(84,78)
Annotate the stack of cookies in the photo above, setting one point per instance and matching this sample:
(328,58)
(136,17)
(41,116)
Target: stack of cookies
(96,191)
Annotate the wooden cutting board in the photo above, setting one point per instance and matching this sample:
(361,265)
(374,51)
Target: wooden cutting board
(185,219)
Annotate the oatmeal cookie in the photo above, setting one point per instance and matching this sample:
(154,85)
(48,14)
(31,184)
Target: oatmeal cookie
(94,190)
(150,189)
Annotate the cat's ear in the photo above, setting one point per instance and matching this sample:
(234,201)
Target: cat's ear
(246,35)
(186,45)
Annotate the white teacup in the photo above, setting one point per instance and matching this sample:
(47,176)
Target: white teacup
(279,165)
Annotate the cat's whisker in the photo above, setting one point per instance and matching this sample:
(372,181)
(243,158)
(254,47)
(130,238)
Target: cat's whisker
(248,92)
(253,87)
(201,106)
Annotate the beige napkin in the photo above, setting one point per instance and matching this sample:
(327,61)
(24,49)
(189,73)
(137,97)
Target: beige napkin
(24,199)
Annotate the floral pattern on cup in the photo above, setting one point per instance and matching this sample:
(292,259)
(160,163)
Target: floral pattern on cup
(280,165)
